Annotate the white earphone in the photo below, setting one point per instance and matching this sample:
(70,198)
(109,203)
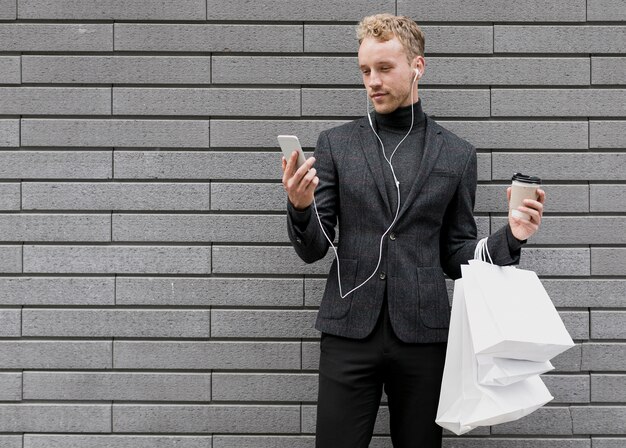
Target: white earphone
(382,146)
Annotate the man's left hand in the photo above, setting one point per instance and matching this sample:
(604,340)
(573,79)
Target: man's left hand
(521,228)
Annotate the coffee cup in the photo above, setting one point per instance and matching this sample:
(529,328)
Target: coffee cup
(523,187)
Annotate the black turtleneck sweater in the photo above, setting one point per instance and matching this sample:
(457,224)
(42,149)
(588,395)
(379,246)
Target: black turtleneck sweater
(391,129)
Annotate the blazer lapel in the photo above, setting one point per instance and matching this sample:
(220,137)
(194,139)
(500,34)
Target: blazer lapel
(371,147)
(432,147)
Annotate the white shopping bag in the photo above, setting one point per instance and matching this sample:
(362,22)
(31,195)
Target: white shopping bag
(511,315)
(494,371)
(465,404)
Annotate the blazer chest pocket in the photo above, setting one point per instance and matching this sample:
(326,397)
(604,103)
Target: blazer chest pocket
(333,306)
(434,306)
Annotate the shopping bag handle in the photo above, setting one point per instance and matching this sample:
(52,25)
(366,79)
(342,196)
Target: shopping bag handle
(482,252)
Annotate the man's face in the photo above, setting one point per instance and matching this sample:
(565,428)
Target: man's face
(387,75)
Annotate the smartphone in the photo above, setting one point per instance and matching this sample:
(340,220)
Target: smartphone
(289,144)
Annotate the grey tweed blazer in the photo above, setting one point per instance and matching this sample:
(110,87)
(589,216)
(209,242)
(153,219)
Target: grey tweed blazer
(435,232)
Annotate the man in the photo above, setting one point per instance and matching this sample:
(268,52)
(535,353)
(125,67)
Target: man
(406,178)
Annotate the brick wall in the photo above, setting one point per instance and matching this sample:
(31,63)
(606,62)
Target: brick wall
(148,293)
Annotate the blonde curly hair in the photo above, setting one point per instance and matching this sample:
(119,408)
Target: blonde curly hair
(387,26)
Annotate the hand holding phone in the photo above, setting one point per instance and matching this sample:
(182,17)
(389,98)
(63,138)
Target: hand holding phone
(300,180)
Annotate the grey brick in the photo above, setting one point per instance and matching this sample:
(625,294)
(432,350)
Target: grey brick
(608,261)
(40,417)
(220,441)
(608,324)
(608,388)
(559,198)
(586,293)
(51,354)
(577,230)
(206,355)
(57,291)
(558,102)
(514,11)
(206,418)
(522,134)
(568,388)
(313,291)
(608,442)
(568,361)
(607,356)
(507,71)
(581,39)
(263,324)
(264,387)
(124,386)
(544,421)
(264,260)
(607,134)
(10,322)
(9,132)
(440,39)
(509,442)
(561,166)
(599,419)
(8,11)
(310,355)
(435,102)
(115,196)
(117,69)
(285,70)
(111,9)
(199,228)
(607,198)
(484,166)
(262,133)
(56,37)
(129,133)
(248,196)
(208,38)
(206,101)
(114,441)
(198,165)
(118,259)
(576,323)
(106,322)
(605,10)
(352,10)
(10,259)
(606,70)
(207,291)
(55,100)
(557,261)
(10,388)
(10,195)
(11,441)
(55,228)
(55,164)
(10,69)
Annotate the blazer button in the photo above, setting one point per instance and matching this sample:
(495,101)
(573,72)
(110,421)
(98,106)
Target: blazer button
(298,240)
(382,276)
(392,236)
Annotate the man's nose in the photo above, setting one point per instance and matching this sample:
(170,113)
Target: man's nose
(374,79)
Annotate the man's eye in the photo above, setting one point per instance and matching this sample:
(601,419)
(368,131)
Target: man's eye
(365,72)
(385,69)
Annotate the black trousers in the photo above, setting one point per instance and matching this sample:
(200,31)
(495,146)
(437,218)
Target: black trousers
(352,374)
